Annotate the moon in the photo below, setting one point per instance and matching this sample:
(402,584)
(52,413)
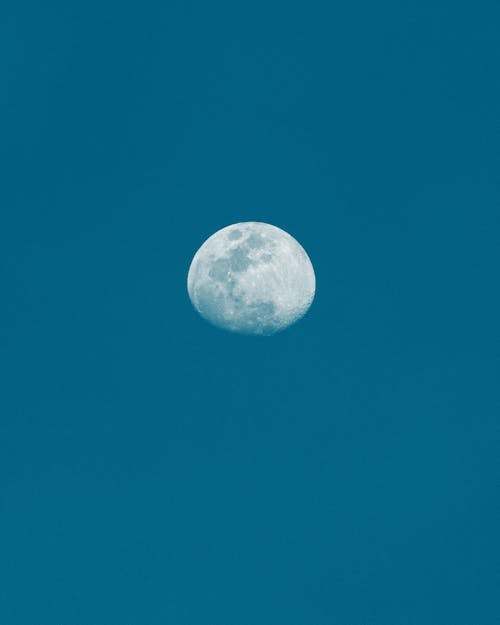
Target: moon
(251,278)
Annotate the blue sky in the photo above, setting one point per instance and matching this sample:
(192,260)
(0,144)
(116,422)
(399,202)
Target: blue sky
(155,470)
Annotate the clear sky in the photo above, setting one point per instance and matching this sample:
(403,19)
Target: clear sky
(157,471)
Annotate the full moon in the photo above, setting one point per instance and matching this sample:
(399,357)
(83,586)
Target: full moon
(251,278)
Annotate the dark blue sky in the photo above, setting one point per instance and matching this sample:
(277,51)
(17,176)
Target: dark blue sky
(155,470)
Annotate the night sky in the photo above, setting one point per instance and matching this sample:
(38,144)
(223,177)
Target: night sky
(155,470)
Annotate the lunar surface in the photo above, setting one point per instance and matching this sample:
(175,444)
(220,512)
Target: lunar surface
(251,278)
